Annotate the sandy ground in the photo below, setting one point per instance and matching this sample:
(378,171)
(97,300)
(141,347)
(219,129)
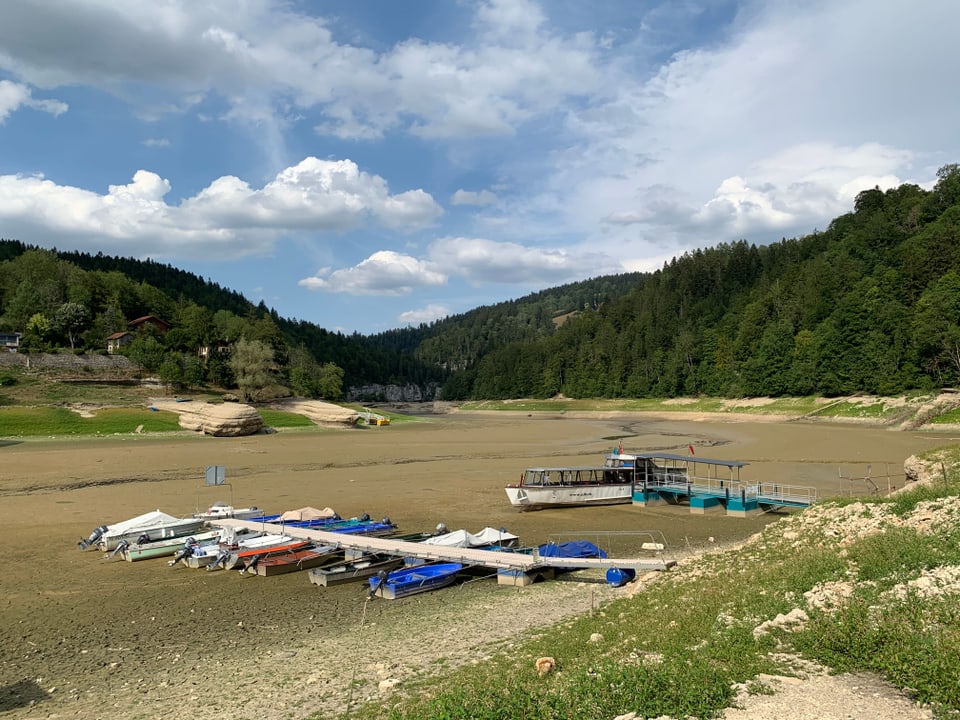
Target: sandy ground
(82,637)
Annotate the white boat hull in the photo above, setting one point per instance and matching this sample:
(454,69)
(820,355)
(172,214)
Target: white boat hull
(535,497)
(179,528)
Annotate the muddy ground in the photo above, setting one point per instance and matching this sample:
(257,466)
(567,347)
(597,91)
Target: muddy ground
(82,637)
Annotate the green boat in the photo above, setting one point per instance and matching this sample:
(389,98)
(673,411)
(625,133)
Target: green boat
(162,548)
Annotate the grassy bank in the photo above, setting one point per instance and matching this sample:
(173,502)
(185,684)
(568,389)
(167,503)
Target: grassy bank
(866,585)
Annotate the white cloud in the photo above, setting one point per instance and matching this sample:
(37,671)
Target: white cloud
(261,52)
(482,261)
(13,96)
(156,142)
(426,314)
(227,219)
(383,273)
(476,260)
(467,197)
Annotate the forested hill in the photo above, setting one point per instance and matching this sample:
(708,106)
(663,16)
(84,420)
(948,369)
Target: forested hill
(871,304)
(459,341)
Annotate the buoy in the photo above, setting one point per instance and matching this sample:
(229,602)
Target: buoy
(618,577)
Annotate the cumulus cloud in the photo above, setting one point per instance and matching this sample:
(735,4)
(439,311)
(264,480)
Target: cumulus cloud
(467,197)
(478,261)
(227,219)
(426,314)
(13,96)
(266,48)
(482,261)
(383,273)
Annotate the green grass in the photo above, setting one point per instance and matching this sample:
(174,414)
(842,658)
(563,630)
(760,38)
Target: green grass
(55,421)
(951,417)
(679,647)
(281,419)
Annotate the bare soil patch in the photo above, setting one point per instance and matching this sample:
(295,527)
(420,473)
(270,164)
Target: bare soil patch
(83,637)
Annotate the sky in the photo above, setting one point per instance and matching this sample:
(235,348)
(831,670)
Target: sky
(367,165)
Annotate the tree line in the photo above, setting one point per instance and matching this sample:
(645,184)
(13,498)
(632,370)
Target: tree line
(869,305)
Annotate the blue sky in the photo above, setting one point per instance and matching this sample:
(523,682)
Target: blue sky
(365,165)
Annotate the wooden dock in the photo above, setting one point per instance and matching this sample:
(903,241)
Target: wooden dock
(518,562)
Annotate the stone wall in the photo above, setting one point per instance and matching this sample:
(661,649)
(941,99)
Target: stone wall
(69,364)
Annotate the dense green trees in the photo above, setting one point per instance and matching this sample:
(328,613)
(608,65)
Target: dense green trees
(871,304)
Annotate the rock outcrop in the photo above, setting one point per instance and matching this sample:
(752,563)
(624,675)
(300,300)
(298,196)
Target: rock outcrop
(322,413)
(222,420)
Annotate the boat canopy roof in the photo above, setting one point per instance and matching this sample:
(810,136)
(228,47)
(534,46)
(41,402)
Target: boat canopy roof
(679,458)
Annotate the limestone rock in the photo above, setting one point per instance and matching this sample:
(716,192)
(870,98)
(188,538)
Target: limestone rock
(226,420)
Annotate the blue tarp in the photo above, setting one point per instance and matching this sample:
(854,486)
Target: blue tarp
(571,549)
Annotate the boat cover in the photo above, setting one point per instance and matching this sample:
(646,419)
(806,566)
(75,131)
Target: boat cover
(308,513)
(571,549)
(142,522)
(461,538)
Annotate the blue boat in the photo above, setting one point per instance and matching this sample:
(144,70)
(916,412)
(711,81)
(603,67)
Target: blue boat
(413,580)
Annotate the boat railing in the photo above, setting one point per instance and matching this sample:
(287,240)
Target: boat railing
(778,494)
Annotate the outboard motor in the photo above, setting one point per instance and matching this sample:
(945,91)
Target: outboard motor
(94,537)
(121,546)
(221,559)
(251,564)
(186,551)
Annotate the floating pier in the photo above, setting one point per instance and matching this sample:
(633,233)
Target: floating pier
(514,568)
(708,485)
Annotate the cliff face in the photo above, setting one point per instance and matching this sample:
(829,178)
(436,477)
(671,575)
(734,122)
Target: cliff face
(394,393)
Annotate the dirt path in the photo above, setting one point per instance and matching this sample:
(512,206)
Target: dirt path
(81,637)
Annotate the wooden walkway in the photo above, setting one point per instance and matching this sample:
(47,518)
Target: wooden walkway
(521,562)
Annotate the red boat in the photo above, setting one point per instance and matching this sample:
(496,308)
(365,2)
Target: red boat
(276,563)
(240,558)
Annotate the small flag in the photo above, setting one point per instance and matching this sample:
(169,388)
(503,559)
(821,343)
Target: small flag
(691,450)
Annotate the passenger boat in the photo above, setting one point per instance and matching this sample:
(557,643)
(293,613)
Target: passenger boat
(413,580)
(544,487)
(155,525)
(354,570)
(277,562)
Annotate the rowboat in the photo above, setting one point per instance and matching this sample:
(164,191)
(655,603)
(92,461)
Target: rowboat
(354,570)
(413,580)
(284,561)
(241,556)
(164,548)
(148,527)
(213,556)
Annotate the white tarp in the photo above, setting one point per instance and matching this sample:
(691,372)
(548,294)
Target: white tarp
(461,538)
(141,522)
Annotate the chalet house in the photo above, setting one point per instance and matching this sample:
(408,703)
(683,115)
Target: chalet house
(118,340)
(10,341)
(149,321)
